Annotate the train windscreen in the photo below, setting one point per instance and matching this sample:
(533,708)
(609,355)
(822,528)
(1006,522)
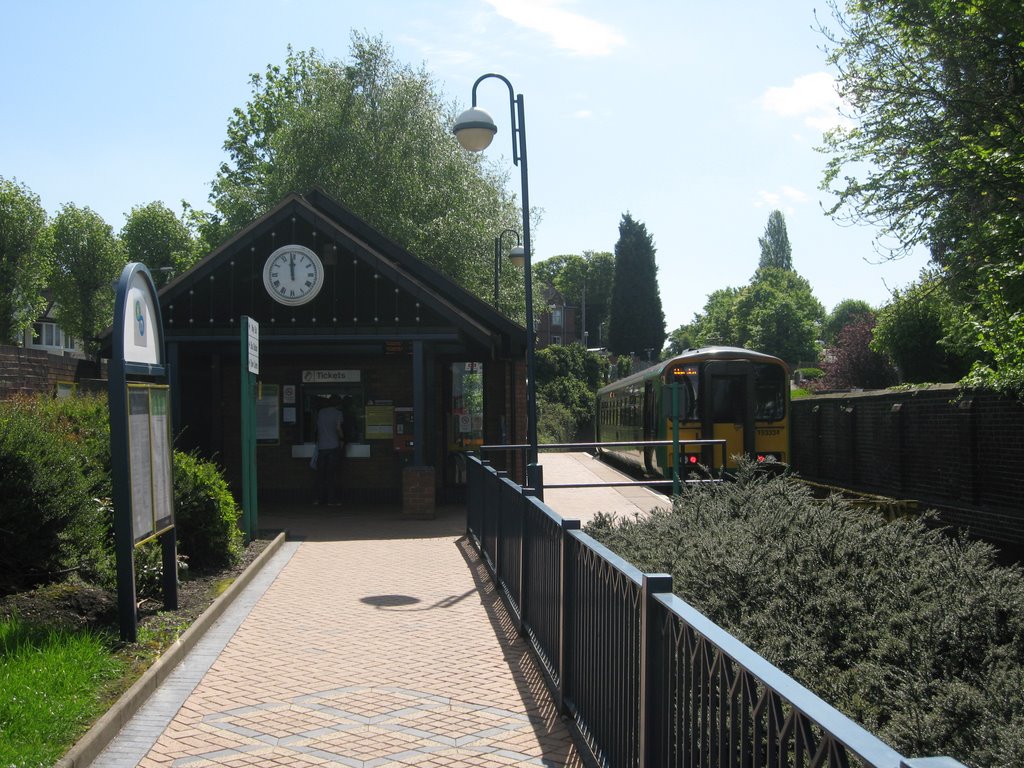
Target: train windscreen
(769,392)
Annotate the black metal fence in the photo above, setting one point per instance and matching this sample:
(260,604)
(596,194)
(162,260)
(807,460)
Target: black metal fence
(646,680)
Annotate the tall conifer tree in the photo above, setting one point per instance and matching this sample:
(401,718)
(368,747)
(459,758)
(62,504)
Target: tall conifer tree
(636,322)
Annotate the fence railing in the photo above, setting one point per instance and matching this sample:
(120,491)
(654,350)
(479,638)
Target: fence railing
(646,680)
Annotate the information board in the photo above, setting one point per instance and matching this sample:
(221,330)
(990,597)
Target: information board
(150,462)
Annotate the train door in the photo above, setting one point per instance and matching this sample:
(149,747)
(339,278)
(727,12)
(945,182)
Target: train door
(727,411)
(651,417)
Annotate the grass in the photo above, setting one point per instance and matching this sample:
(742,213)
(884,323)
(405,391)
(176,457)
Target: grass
(53,685)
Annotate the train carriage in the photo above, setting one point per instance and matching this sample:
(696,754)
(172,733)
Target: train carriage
(721,393)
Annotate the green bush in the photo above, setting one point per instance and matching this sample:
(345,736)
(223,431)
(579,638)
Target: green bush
(205,514)
(917,635)
(49,521)
(555,422)
(810,374)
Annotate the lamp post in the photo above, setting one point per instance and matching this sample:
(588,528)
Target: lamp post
(498,249)
(475,130)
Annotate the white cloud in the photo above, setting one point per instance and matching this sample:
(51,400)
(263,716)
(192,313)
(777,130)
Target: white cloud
(567,30)
(583,114)
(785,198)
(812,97)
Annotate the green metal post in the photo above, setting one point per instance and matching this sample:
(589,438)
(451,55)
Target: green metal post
(675,438)
(248,413)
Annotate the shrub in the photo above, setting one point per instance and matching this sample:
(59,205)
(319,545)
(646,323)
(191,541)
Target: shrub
(916,634)
(49,522)
(206,515)
(555,422)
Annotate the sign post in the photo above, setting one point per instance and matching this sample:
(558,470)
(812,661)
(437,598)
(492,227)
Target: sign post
(140,440)
(250,339)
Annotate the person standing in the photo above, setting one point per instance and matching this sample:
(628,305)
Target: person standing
(330,445)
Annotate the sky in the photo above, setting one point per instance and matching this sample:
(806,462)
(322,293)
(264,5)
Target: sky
(696,118)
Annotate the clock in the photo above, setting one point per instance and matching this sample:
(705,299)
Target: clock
(293,275)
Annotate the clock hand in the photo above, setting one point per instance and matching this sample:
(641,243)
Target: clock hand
(291,266)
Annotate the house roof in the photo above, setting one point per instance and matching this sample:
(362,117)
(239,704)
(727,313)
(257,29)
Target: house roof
(373,286)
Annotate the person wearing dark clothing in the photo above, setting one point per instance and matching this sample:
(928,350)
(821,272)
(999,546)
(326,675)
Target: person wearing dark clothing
(330,447)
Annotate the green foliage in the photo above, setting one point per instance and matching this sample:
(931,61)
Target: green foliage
(844,313)
(205,513)
(51,689)
(776,251)
(56,512)
(568,376)
(933,153)
(555,422)
(636,322)
(779,315)
(154,236)
(87,260)
(811,374)
(921,329)
(374,134)
(49,521)
(25,262)
(682,338)
(916,635)
(585,282)
(717,326)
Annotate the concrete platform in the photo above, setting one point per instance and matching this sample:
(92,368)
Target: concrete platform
(584,503)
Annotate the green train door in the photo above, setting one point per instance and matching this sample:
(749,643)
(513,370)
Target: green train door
(727,409)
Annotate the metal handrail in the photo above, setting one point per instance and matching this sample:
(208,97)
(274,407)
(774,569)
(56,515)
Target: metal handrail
(586,613)
(675,482)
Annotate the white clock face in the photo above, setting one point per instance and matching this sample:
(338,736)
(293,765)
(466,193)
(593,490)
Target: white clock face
(293,275)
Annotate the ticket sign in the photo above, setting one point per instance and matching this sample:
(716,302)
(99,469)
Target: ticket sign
(149,446)
(330,377)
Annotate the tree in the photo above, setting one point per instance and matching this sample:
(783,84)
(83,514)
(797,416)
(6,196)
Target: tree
(87,260)
(934,151)
(853,363)
(845,312)
(682,338)
(779,315)
(154,236)
(375,135)
(585,282)
(24,258)
(775,248)
(568,377)
(923,332)
(716,325)
(636,320)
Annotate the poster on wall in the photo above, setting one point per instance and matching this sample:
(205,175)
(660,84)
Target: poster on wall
(268,415)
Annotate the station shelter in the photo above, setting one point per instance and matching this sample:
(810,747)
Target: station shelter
(426,370)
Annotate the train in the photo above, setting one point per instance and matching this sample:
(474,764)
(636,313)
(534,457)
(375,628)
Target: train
(721,393)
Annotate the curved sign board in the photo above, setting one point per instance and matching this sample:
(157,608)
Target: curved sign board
(141,332)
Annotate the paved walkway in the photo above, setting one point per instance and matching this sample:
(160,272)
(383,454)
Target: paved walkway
(376,641)
(367,640)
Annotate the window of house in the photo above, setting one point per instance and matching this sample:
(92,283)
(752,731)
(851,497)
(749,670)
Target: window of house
(556,316)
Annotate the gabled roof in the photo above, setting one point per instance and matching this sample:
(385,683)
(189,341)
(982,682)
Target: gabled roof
(373,286)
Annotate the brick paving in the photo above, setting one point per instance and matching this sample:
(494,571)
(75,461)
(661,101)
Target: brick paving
(373,641)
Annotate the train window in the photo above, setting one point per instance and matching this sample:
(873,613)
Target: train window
(728,394)
(769,393)
(688,387)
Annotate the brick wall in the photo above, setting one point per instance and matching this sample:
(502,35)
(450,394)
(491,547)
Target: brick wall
(32,371)
(962,455)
